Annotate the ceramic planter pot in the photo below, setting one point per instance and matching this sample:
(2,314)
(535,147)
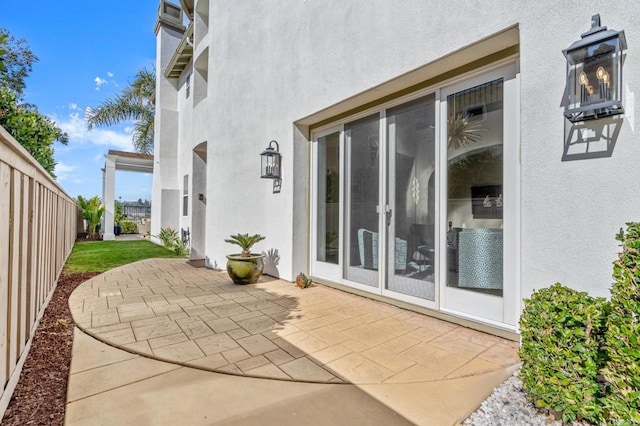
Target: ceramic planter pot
(245,269)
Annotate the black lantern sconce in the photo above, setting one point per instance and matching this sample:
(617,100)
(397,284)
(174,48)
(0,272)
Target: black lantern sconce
(270,162)
(594,74)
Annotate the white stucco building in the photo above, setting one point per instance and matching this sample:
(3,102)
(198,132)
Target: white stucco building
(426,157)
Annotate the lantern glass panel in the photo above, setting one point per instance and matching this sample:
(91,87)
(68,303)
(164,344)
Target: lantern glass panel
(593,70)
(263,166)
(270,165)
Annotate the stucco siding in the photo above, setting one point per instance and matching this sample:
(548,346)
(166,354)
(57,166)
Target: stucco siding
(270,64)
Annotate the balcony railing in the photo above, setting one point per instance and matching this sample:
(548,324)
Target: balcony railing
(38,226)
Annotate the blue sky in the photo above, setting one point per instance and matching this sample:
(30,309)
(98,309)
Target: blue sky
(88,51)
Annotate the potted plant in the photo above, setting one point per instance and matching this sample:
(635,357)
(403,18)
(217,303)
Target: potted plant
(118,217)
(245,267)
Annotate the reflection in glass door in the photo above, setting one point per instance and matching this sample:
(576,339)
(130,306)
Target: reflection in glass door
(431,222)
(475,196)
(362,254)
(480,218)
(411,198)
(326,205)
(328,199)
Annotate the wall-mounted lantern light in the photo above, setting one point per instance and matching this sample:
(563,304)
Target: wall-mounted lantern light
(270,159)
(594,74)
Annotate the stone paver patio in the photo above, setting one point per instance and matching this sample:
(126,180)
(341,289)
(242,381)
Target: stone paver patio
(168,310)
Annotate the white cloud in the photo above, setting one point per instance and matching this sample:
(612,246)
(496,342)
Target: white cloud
(106,80)
(98,157)
(99,82)
(73,106)
(64,171)
(76,127)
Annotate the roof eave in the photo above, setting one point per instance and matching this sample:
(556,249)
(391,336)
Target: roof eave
(182,55)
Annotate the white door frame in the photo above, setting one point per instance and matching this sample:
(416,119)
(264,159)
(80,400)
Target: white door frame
(498,311)
(326,270)
(388,200)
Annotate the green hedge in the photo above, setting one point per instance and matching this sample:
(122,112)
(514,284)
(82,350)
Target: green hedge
(561,333)
(581,355)
(129,227)
(622,337)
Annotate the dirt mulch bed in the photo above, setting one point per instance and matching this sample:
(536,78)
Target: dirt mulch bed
(41,394)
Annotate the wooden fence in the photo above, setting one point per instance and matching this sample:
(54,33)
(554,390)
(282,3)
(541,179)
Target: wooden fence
(38,226)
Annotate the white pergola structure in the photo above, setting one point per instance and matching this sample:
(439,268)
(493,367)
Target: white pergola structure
(119,160)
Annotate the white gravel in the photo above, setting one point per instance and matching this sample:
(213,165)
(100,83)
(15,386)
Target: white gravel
(507,406)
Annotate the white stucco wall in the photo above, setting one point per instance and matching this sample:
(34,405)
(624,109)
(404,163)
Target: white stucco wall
(272,63)
(165,190)
(571,210)
(185,133)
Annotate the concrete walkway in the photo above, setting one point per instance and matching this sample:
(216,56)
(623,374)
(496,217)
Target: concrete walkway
(336,358)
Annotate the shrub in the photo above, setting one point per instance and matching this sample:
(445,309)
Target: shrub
(171,240)
(168,236)
(118,214)
(622,337)
(245,241)
(181,246)
(561,354)
(92,210)
(129,227)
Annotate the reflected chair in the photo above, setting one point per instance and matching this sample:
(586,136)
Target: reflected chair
(368,250)
(421,245)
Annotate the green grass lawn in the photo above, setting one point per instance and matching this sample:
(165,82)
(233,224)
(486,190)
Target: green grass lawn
(99,256)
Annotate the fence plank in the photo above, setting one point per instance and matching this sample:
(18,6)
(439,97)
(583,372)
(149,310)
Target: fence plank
(37,241)
(39,249)
(5,245)
(46,243)
(31,257)
(24,258)
(14,270)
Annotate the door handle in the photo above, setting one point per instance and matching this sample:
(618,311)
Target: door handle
(388,213)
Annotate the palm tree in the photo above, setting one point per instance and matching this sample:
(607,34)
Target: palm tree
(92,211)
(245,241)
(135,102)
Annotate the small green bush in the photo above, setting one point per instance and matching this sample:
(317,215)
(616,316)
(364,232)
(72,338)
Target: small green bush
(129,227)
(561,333)
(181,246)
(118,214)
(622,337)
(172,241)
(168,236)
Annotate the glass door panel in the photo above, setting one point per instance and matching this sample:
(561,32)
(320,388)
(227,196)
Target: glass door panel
(474,186)
(362,254)
(411,195)
(328,199)
(479,218)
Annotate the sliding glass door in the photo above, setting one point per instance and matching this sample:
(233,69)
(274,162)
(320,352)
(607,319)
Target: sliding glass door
(479,203)
(411,199)
(418,201)
(362,206)
(327,212)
